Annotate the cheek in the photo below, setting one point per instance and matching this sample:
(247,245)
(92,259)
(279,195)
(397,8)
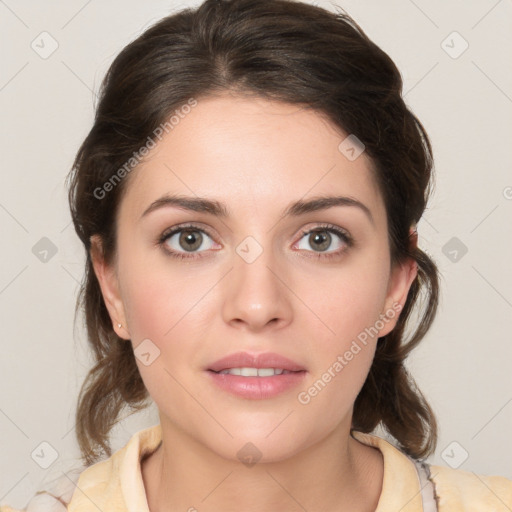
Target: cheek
(158,296)
(169,306)
(345,340)
(349,299)
(164,305)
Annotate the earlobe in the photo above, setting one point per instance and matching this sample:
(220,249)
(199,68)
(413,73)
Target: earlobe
(402,277)
(400,283)
(109,285)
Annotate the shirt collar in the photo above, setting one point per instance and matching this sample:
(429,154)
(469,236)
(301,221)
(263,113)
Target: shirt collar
(401,490)
(116,484)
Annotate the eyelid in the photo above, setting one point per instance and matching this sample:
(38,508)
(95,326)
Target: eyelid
(182,227)
(326,226)
(342,233)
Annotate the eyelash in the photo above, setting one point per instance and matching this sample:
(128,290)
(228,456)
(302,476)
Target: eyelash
(342,234)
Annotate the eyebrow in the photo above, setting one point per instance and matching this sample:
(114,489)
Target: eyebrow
(218,209)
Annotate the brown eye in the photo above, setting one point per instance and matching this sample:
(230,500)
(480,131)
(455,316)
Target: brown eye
(319,240)
(190,240)
(186,239)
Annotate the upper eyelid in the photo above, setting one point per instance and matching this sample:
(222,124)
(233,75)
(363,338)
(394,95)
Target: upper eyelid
(170,232)
(302,232)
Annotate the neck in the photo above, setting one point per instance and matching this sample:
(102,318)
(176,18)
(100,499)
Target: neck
(337,474)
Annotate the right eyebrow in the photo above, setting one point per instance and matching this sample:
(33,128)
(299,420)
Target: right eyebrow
(195,204)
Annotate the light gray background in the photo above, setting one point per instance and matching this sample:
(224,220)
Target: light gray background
(465,103)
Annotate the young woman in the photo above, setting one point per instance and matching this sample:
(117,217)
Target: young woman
(247,199)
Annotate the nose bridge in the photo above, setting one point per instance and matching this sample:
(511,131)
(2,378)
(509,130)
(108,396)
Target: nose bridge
(255,293)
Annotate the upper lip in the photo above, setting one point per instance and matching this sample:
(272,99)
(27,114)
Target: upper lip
(262,360)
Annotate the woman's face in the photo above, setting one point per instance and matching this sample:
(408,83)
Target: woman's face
(254,280)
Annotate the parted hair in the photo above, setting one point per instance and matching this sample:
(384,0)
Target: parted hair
(282,50)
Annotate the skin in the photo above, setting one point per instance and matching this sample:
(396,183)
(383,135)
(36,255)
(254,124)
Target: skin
(256,156)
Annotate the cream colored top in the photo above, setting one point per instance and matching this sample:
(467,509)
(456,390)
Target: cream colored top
(115,484)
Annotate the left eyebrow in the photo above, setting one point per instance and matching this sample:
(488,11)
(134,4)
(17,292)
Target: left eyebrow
(219,209)
(323,203)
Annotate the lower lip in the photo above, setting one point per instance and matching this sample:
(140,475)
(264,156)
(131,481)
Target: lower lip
(257,388)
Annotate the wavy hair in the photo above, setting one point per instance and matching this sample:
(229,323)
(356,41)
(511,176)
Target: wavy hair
(282,50)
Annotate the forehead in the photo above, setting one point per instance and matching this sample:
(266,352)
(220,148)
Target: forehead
(251,153)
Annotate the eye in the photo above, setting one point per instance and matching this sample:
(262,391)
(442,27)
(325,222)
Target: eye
(321,239)
(190,240)
(180,240)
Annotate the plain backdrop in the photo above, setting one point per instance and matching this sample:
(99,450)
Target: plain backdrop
(454,57)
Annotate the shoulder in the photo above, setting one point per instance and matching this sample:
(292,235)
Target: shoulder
(460,490)
(42,502)
(105,485)
(54,492)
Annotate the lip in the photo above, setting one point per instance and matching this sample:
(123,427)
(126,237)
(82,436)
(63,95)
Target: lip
(262,360)
(256,388)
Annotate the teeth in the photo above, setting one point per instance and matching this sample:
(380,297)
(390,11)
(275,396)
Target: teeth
(255,372)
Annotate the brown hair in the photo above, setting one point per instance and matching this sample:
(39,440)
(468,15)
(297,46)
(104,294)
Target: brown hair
(282,50)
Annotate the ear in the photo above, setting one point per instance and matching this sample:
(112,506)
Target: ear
(107,278)
(400,281)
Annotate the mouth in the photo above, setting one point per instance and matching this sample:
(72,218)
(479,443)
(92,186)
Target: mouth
(256,376)
(248,384)
(256,372)
(265,364)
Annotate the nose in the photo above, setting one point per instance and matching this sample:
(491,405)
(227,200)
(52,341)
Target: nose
(256,295)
